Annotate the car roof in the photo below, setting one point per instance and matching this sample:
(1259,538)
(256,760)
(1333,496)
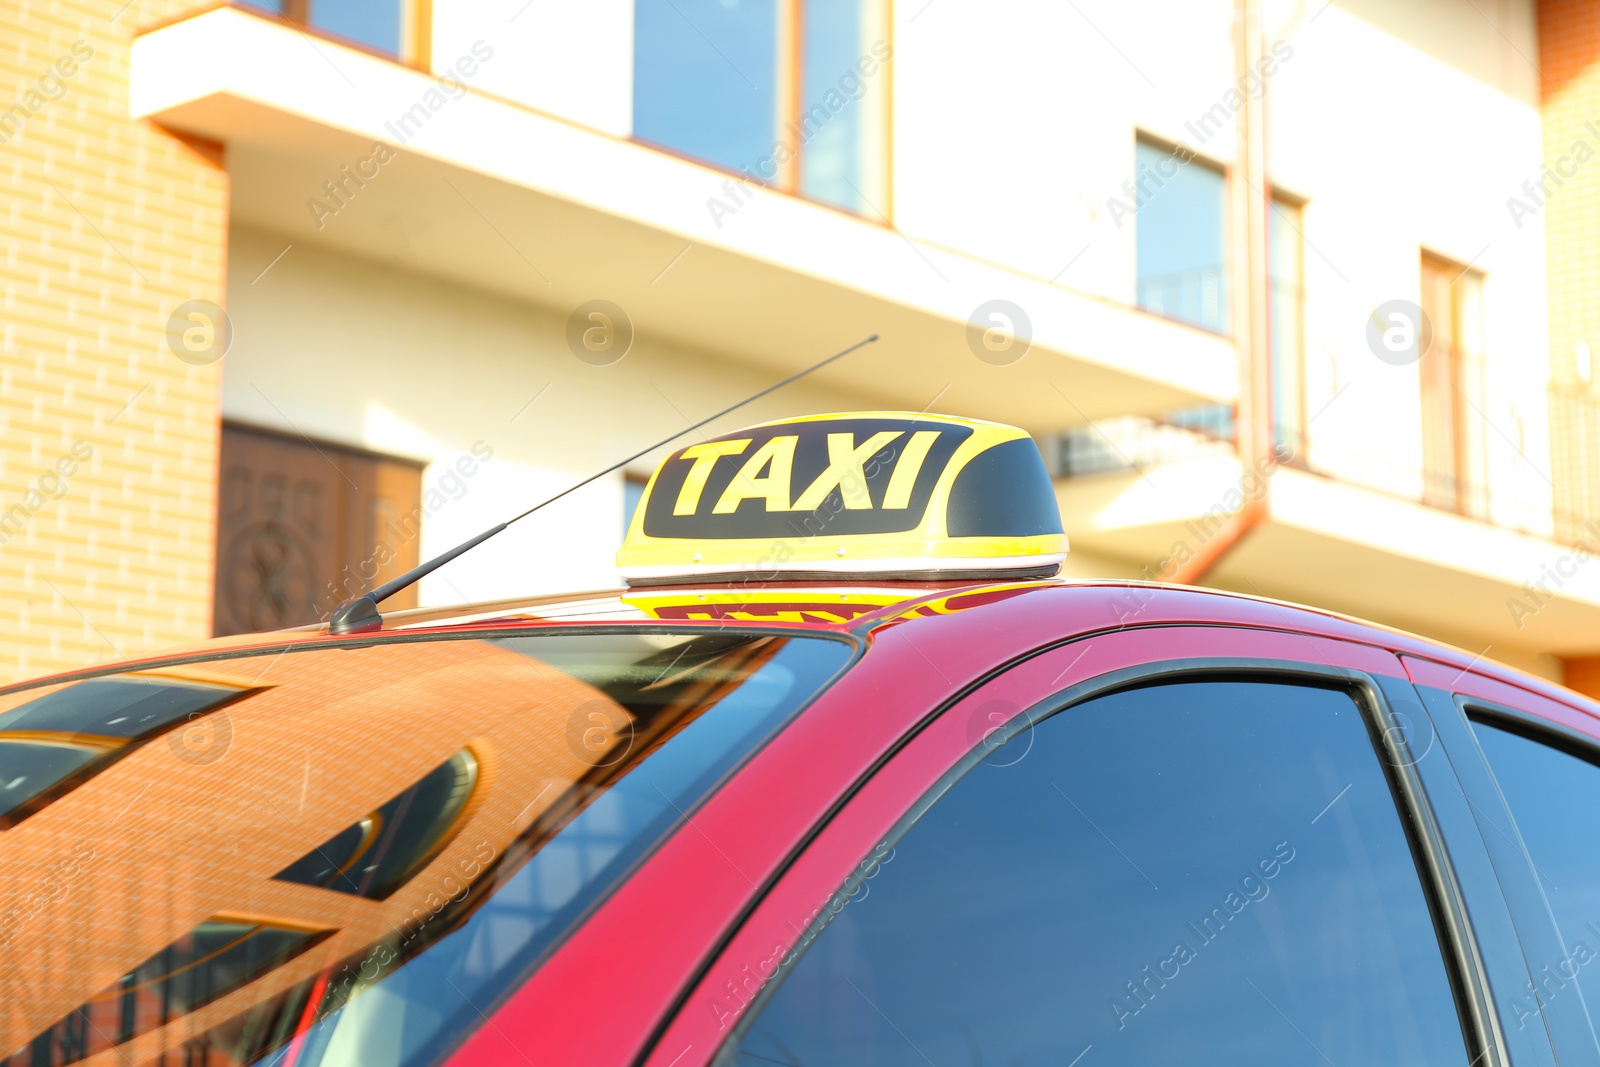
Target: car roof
(1089,606)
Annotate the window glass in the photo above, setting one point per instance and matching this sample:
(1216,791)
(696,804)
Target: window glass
(378,853)
(377,844)
(840,104)
(705,78)
(50,743)
(1553,797)
(1181,239)
(374,23)
(1209,871)
(632,493)
(790,95)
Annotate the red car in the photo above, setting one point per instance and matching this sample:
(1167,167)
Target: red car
(897,817)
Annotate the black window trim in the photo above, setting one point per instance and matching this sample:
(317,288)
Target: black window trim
(480,632)
(1531,727)
(1464,965)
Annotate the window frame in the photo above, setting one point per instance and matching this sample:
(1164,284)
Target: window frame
(1283,353)
(934,758)
(1452,697)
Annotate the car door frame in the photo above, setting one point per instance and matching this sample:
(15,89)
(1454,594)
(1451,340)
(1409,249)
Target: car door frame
(1453,698)
(1476,935)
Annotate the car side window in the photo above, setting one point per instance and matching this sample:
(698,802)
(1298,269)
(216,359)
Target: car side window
(1554,796)
(1205,870)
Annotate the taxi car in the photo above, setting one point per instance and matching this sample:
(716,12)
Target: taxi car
(844,776)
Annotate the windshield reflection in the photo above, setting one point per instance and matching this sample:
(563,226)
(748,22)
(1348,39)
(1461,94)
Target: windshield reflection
(394,837)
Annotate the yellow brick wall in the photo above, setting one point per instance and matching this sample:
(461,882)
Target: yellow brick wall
(1569,47)
(108,225)
(1569,61)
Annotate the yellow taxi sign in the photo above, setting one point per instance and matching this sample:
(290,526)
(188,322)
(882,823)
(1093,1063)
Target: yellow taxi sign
(888,494)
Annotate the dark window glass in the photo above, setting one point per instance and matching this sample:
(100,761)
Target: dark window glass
(29,768)
(1181,237)
(1554,797)
(1207,872)
(378,853)
(124,708)
(705,78)
(381,844)
(53,743)
(212,960)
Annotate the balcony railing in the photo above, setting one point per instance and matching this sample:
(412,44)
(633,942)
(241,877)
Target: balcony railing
(1134,443)
(1500,485)
(1575,461)
(1198,296)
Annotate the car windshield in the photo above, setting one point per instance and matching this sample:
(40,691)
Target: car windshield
(347,856)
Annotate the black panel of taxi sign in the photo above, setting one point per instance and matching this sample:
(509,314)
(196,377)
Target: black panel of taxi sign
(849,476)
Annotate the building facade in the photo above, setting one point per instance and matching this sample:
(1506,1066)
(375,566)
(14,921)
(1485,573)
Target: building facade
(302,294)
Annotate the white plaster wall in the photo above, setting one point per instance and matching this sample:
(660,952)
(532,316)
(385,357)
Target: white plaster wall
(1404,126)
(574,60)
(1398,151)
(1014,123)
(352,351)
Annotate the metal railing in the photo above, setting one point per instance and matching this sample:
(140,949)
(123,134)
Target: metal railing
(1133,443)
(1198,296)
(1452,475)
(1575,461)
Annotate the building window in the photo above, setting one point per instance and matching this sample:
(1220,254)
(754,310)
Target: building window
(789,94)
(1451,385)
(632,492)
(1285,328)
(1181,226)
(392,27)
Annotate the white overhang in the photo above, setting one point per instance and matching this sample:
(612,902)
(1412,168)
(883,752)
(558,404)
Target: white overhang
(1347,548)
(498,196)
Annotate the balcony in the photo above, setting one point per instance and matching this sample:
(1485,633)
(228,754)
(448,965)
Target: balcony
(1380,533)
(498,196)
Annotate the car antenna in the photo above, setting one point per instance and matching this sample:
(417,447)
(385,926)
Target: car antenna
(360,614)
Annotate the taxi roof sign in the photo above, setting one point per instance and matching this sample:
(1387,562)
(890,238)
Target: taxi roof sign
(887,494)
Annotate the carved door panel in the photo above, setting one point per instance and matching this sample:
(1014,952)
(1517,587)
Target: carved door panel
(302,525)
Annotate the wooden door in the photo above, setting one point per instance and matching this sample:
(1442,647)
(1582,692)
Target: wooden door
(302,525)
